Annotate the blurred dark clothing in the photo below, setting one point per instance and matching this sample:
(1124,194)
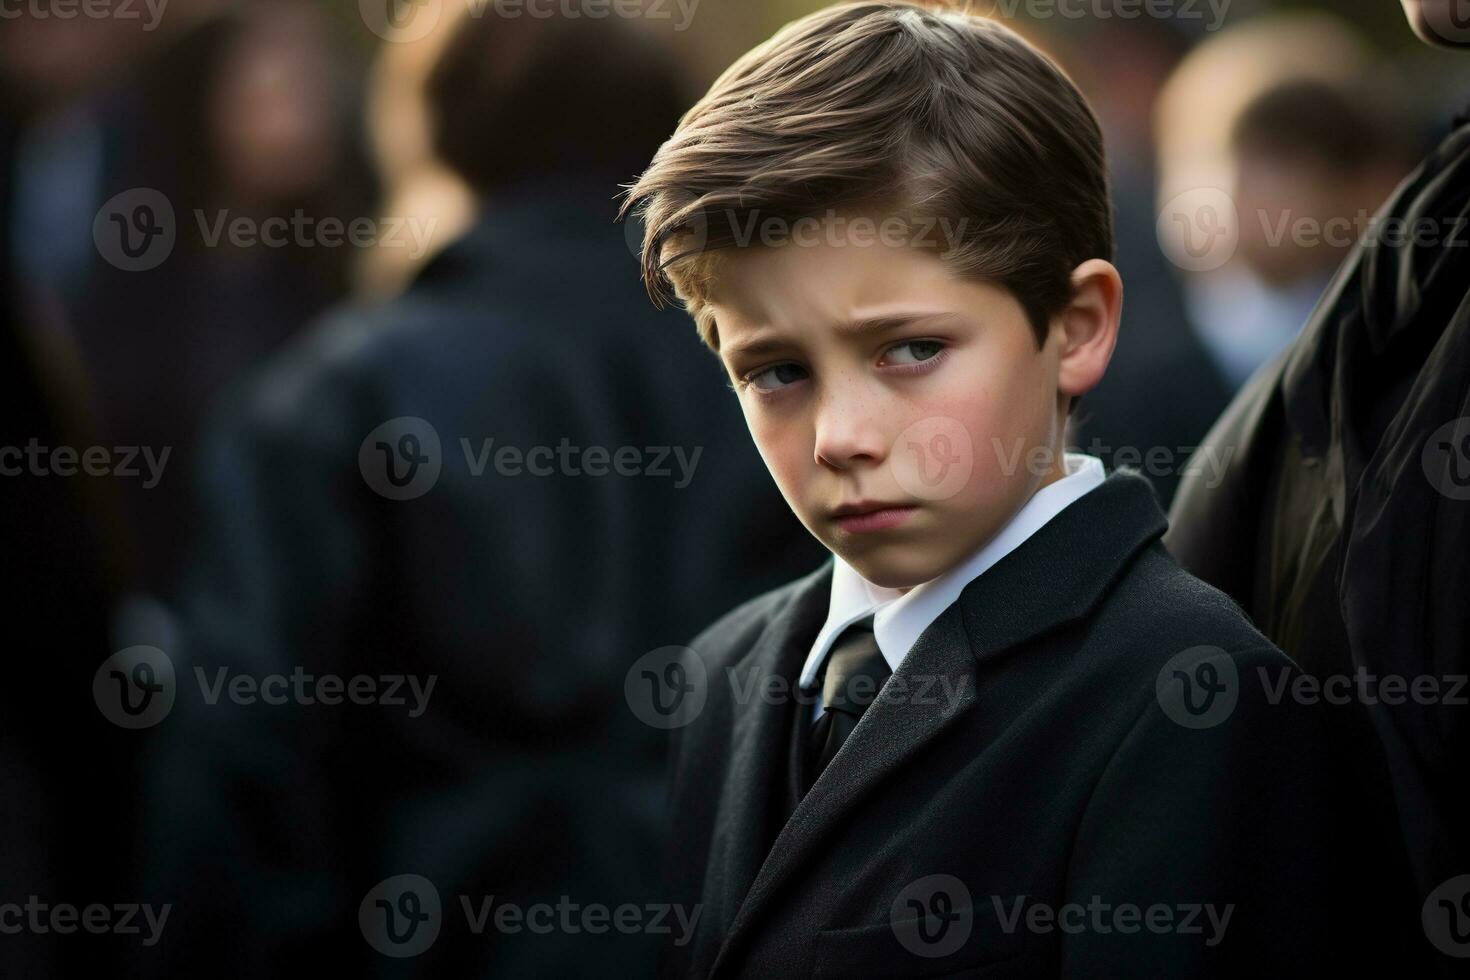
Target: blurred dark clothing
(1162,391)
(65,835)
(158,344)
(528,597)
(1340,526)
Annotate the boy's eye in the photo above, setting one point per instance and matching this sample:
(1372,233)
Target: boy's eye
(912,351)
(775,376)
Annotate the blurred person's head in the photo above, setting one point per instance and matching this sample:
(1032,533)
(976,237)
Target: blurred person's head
(1121,88)
(559,98)
(463,111)
(1200,102)
(416,183)
(1313,158)
(1204,98)
(47,60)
(274,106)
(1445,23)
(946,285)
(49,56)
(251,114)
(252,110)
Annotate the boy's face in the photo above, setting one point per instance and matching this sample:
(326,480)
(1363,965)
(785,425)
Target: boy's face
(873,378)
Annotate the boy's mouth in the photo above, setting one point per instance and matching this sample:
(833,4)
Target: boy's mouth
(863,516)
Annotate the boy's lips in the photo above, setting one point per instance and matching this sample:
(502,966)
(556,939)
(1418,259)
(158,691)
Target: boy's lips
(864,516)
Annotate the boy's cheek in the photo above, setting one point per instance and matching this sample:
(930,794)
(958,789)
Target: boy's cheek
(1011,436)
(775,445)
(953,437)
(789,465)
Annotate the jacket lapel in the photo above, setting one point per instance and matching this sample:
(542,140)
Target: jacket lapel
(1055,577)
(752,803)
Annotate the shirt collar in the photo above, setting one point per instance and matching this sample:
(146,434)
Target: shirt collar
(900,618)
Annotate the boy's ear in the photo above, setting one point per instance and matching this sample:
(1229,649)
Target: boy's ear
(1088,327)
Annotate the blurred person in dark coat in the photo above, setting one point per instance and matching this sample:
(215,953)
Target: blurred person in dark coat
(67,774)
(1343,521)
(244,119)
(61,763)
(221,116)
(1159,359)
(506,485)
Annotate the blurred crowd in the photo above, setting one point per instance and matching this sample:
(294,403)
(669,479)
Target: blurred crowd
(249,247)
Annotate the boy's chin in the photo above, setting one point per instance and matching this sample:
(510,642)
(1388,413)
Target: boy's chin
(897,567)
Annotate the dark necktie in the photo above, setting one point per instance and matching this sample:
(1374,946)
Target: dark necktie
(851,677)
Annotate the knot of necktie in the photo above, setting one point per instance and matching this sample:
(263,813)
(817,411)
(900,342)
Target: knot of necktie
(852,676)
(854,671)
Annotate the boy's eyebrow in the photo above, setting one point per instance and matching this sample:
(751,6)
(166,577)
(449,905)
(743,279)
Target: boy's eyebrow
(867,325)
(892,321)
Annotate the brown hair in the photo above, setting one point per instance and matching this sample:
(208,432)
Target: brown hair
(931,110)
(518,97)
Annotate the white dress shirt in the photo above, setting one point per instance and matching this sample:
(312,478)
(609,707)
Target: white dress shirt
(900,617)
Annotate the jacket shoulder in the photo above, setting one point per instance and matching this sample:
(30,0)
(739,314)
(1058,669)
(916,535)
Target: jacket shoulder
(730,637)
(1166,610)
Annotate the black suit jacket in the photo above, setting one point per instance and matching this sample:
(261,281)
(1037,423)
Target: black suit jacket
(1342,522)
(1057,772)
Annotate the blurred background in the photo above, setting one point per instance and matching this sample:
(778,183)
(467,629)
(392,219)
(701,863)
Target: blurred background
(254,250)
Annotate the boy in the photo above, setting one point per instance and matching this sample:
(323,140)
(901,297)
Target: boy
(892,225)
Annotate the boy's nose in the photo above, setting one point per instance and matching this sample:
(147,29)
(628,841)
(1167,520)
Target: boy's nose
(848,430)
